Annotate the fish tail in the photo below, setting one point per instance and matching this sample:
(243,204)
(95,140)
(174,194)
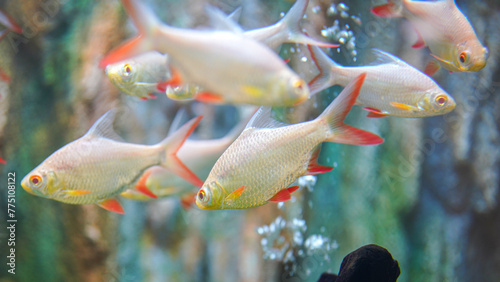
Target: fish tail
(172,144)
(290,24)
(9,22)
(388,10)
(336,112)
(327,70)
(148,25)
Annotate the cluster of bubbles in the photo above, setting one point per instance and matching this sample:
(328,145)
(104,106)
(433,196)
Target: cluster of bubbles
(285,240)
(340,31)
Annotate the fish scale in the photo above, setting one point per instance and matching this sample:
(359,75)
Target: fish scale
(269,155)
(388,80)
(97,167)
(288,158)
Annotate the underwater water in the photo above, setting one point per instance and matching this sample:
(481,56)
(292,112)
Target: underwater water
(429,194)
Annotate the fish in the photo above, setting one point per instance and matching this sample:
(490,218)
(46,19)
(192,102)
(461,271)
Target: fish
(141,76)
(391,88)
(442,27)
(199,155)
(123,74)
(269,155)
(286,30)
(230,67)
(97,167)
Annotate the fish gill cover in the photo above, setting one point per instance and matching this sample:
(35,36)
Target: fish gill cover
(422,75)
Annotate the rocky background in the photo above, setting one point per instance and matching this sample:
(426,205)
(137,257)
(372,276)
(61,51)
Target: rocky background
(429,194)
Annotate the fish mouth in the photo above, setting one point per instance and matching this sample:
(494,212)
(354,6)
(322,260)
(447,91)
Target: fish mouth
(27,189)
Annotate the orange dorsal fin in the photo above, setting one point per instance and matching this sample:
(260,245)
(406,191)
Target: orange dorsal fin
(141,185)
(152,96)
(235,194)
(431,68)
(111,205)
(283,195)
(314,167)
(375,113)
(208,97)
(389,10)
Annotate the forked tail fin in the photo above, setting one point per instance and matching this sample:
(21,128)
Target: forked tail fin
(291,26)
(172,144)
(326,67)
(146,22)
(336,112)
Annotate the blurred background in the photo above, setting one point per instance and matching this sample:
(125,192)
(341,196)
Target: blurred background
(429,194)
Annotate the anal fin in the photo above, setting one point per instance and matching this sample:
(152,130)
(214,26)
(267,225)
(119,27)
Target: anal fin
(315,168)
(375,113)
(111,205)
(283,195)
(208,97)
(431,68)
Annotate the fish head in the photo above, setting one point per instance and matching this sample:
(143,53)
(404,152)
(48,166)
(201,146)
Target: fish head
(437,102)
(470,56)
(293,87)
(210,196)
(41,182)
(122,75)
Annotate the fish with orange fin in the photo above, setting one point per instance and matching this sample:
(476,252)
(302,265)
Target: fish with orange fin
(391,88)
(97,167)
(442,27)
(229,66)
(269,156)
(199,155)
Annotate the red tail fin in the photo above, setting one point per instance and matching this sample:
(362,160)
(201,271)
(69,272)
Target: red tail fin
(336,112)
(173,143)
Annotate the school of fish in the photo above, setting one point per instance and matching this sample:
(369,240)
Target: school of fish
(257,162)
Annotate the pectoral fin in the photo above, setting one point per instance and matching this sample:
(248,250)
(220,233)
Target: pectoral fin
(235,194)
(404,107)
(253,91)
(284,195)
(111,205)
(77,192)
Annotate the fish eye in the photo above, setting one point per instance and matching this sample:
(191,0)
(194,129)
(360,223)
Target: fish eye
(36,180)
(298,84)
(464,57)
(441,100)
(127,69)
(202,196)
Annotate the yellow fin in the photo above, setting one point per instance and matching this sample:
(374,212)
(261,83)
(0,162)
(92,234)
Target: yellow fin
(446,62)
(235,194)
(77,192)
(403,106)
(253,91)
